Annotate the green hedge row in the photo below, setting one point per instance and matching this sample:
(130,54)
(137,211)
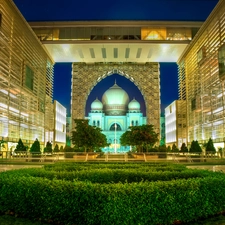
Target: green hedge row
(112,193)
(140,203)
(113,175)
(90,166)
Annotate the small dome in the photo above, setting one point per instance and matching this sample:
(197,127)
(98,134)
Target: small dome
(134,106)
(115,101)
(96,105)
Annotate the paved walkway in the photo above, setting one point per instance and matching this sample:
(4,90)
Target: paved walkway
(5,167)
(214,168)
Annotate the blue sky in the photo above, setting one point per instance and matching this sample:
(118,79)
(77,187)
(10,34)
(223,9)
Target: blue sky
(69,10)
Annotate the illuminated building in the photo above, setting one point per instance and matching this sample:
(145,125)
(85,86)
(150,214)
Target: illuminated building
(98,49)
(132,49)
(26,81)
(59,125)
(162,130)
(68,130)
(175,123)
(114,114)
(201,80)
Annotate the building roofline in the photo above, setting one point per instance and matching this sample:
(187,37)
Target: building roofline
(210,18)
(115,23)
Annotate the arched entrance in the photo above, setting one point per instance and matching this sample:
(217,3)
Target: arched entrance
(144,76)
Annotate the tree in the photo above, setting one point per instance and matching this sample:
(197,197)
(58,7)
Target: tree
(67,148)
(169,149)
(2,144)
(195,147)
(162,148)
(48,148)
(143,137)
(35,148)
(69,151)
(210,147)
(20,147)
(183,148)
(174,148)
(61,149)
(87,137)
(56,148)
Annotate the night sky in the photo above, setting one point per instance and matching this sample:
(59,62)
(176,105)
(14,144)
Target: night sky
(70,10)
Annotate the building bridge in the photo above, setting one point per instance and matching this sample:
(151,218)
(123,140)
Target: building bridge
(115,41)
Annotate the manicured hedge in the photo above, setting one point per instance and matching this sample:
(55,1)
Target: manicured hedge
(102,165)
(113,175)
(137,203)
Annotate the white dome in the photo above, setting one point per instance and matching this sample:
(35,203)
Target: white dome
(115,101)
(134,106)
(96,105)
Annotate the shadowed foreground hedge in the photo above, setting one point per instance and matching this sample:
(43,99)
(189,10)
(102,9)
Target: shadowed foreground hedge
(84,202)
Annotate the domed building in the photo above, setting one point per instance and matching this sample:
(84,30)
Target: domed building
(114,114)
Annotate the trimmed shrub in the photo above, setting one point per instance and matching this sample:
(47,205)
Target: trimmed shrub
(55,193)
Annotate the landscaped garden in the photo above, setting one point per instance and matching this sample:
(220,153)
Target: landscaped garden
(112,193)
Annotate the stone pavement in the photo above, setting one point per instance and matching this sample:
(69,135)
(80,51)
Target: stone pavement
(213,168)
(5,167)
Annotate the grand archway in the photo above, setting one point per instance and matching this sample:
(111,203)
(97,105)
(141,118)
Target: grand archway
(144,76)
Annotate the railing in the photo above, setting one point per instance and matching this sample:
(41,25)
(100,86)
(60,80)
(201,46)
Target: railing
(108,157)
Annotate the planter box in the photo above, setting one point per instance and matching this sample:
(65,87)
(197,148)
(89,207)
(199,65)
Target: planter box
(35,157)
(69,154)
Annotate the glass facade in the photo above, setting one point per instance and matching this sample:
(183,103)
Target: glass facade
(114,33)
(26,77)
(201,80)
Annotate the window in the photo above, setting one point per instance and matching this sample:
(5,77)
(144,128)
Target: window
(29,78)
(98,123)
(94,123)
(115,126)
(41,106)
(0,19)
(201,54)
(193,104)
(221,61)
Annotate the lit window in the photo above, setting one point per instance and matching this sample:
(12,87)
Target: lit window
(221,60)
(29,77)
(201,54)
(115,126)
(193,104)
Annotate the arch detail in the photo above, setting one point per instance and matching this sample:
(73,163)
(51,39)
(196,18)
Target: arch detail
(144,76)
